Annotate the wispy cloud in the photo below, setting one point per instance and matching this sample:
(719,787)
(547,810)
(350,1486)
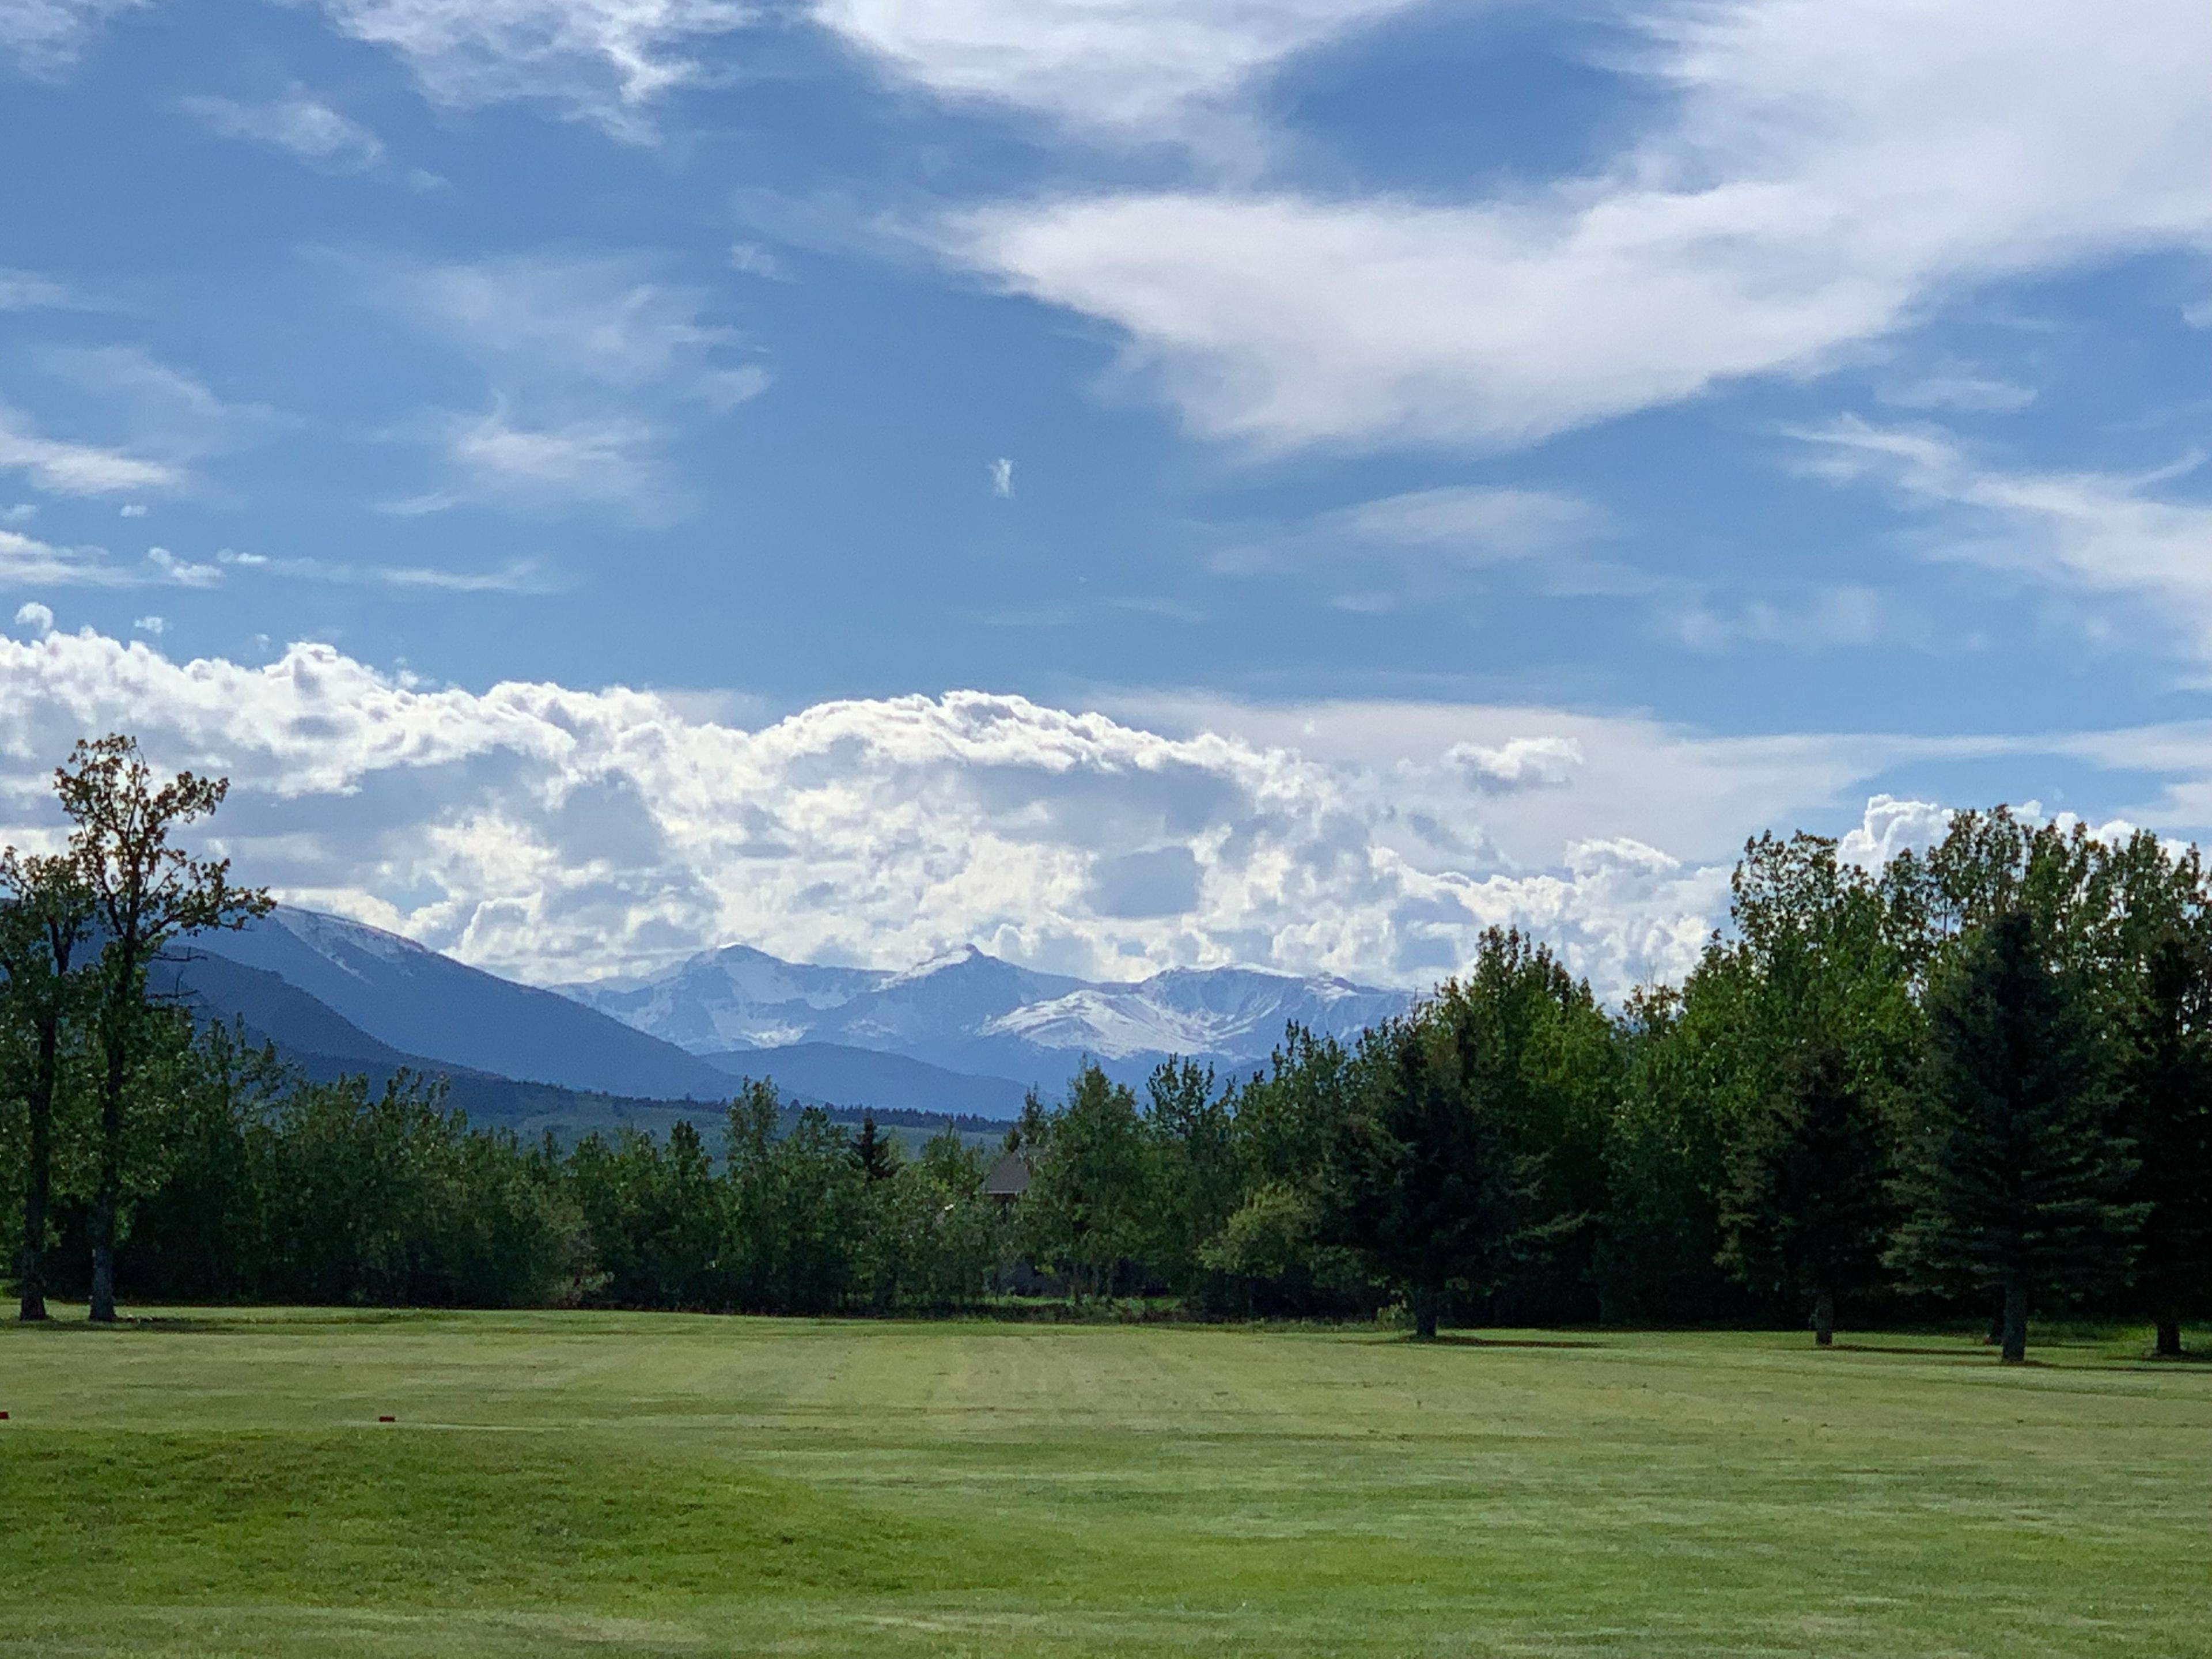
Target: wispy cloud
(593,362)
(515,576)
(2126,537)
(75,469)
(298,123)
(1434,544)
(1002,478)
(1127,71)
(1821,176)
(26,561)
(603,61)
(44,37)
(24,290)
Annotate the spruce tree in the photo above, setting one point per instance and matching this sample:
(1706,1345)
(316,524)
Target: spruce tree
(1425,1184)
(2016,1182)
(1807,1209)
(2167,1110)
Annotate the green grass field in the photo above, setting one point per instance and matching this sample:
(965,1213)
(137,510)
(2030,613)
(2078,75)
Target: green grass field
(628,1485)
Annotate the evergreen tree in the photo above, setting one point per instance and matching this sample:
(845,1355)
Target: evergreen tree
(2167,1110)
(1426,1182)
(2016,1182)
(145,893)
(1807,1209)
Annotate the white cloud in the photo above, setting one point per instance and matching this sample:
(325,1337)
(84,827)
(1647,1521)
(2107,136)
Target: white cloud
(575,327)
(515,576)
(2096,533)
(26,561)
(1142,69)
(1827,172)
(602,61)
(134,510)
(751,260)
(183,572)
(44,37)
(559,833)
(298,123)
(1002,478)
(39,618)
(156,626)
(21,513)
(73,469)
(1959,389)
(22,290)
(1834,616)
(1893,826)
(593,362)
(1517,763)
(1429,545)
(492,459)
(166,411)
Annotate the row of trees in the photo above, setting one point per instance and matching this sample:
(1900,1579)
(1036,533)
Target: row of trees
(1978,1077)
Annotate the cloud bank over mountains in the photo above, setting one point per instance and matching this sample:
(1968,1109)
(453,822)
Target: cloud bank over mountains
(559,835)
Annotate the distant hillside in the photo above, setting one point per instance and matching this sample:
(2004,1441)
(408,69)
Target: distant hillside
(422,1003)
(858,1077)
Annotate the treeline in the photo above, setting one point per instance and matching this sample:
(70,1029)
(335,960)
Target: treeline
(1975,1081)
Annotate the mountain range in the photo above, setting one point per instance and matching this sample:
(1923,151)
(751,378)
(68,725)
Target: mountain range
(966,1033)
(972,1011)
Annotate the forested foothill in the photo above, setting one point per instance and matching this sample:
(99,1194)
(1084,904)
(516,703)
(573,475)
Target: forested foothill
(1975,1083)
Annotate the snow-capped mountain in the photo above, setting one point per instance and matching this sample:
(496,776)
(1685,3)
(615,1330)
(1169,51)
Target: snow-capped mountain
(974,1012)
(965,1031)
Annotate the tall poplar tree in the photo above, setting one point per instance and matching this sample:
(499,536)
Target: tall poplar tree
(145,893)
(2016,1182)
(46,910)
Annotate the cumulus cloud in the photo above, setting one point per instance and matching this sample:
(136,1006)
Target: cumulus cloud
(2108,535)
(601,61)
(1141,69)
(556,834)
(1826,172)
(39,618)
(1519,763)
(298,123)
(44,37)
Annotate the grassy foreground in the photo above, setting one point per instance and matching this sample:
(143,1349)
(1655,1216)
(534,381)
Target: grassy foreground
(618,1485)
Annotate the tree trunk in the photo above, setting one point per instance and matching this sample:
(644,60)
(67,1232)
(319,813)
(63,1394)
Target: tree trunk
(1424,1315)
(31,1269)
(2015,1320)
(109,1196)
(1824,1318)
(2169,1336)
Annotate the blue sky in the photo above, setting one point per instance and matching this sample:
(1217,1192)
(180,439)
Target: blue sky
(1818,392)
